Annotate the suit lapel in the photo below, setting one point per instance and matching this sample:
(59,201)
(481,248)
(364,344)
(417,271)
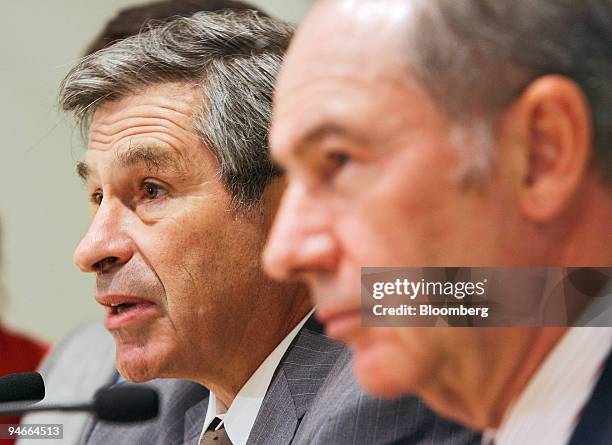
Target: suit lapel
(194,422)
(277,419)
(594,427)
(276,422)
(297,379)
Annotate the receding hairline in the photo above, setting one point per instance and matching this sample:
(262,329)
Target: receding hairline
(233,57)
(155,156)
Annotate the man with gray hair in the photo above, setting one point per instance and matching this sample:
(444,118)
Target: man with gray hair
(455,133)
(182,194)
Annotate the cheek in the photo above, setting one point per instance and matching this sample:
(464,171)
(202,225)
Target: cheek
(392,236)
(416,214)
(204,261)
(184,256)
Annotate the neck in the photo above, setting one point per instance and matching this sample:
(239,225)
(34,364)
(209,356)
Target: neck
(254,346)
(585,239)
(495,365)
(493,374)
(541,342)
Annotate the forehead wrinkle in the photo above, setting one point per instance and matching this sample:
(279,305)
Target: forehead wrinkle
(295,126)
(159,133)
(164,97)
(339,80)
(122,125)
(335,93)
(162,111)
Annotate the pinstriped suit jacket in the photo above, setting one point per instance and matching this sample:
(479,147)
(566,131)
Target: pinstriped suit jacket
(312,399)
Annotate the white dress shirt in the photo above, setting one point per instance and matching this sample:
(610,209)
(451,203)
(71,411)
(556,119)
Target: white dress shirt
(239,418)
(549,408)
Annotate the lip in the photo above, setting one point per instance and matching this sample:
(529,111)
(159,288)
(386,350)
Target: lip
(340,323)
(140,311)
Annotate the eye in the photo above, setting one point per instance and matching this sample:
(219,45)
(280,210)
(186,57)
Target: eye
(333,163)
(338,158)
(153,190)
(96,197)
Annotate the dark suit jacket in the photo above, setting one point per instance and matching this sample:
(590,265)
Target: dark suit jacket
(312,399)
(595,425)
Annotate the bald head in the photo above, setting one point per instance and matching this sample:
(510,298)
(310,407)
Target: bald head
(473,58)
(436,133)
(336,33)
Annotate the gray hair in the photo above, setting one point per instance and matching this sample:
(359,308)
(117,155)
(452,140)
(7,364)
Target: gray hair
(476,56)
(234,58)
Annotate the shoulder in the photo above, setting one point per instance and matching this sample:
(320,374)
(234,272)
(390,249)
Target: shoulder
(182,408)
(342,413)
(312,354)
(88,349)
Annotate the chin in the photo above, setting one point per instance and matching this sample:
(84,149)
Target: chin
(377,372)
(140,363)
(377,385)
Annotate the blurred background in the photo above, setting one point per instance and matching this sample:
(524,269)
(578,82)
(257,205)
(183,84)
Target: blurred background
(43,205)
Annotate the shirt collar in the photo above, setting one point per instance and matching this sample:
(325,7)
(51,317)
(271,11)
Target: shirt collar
(548,410)
(240,417)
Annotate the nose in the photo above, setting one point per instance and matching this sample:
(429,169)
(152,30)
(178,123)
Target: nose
(301,241)
(105,245)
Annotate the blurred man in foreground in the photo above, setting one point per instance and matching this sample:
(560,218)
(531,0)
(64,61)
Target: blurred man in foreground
(182,194)
(453,133)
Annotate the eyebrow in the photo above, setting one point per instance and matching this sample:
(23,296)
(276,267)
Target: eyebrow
(322,131)
(154,158)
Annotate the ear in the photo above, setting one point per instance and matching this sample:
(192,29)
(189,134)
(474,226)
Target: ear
(558,142)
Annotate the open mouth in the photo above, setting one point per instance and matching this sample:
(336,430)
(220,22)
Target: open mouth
(120,308)
(124,311)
